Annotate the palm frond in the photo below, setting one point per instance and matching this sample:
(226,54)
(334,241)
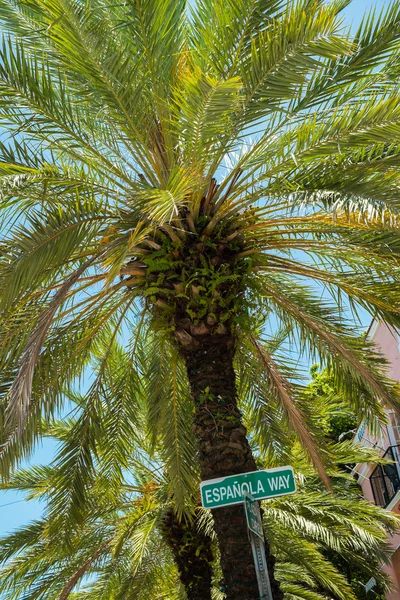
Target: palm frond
(20,392)
(169,409)
(283,390)
(352,353)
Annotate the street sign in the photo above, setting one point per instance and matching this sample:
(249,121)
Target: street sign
(253,515)
(226,491)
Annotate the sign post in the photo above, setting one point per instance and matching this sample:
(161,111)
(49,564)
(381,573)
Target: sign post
(260,563)
(256,534)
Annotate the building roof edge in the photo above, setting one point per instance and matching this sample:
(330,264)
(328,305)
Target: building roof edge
(372,328)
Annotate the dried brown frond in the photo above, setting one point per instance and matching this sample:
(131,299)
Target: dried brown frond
(19,395)
(283,391)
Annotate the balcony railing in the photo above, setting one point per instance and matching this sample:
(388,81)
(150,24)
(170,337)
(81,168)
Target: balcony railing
(385,479)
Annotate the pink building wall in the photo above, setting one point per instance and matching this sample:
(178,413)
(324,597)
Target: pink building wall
(389,343)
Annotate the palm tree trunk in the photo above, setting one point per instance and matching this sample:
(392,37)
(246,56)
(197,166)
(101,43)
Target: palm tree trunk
(192,553)
(224,450)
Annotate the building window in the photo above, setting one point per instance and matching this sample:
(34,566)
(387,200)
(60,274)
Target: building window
(394,421)
(385,480)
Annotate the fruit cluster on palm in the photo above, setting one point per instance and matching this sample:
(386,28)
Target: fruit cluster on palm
(203,174)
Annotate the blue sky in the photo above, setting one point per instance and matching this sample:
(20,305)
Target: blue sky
(355,11)
(14,511)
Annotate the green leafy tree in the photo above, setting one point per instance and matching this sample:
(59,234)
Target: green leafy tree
(200,173)
(336,416)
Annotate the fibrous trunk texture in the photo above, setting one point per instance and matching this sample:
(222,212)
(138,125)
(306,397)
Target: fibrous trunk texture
(224,450)
(193,555)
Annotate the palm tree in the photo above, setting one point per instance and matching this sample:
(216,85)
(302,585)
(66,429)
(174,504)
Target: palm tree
(208,174)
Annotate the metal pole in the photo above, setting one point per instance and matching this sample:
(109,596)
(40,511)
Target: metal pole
(260,563)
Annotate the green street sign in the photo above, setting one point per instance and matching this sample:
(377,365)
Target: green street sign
(253,515)
(226,491)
